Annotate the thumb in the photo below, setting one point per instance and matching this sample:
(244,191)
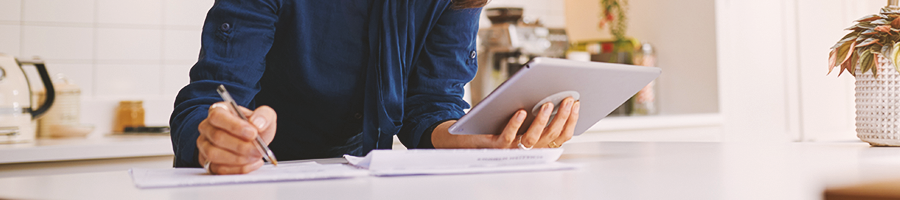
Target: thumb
(264,118)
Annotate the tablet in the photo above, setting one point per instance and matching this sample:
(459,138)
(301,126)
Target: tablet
(601,88)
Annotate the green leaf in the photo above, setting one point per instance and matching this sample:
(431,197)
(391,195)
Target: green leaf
(867,42)
(894,55)
(868,18)
(849,35)
(861,26)
(873,65)
(869,32)
(842,51)
(832,61)
(850,64)
(865,60)
(852,36)
(881,21)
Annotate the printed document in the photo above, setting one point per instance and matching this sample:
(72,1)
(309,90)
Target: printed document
(174,177)
(458,161)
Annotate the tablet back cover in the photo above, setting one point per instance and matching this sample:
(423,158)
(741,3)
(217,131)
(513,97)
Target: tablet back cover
(602,87)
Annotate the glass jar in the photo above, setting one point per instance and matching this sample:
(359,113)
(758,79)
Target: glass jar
(66,109)
(129,114)
(644,102)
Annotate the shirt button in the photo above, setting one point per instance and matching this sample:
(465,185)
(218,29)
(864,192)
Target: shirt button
(473,54)
(358,115)
(225,26)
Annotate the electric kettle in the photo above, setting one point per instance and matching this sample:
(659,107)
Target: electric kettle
(17,116)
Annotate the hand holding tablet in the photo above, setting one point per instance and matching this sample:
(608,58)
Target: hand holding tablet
(587,91)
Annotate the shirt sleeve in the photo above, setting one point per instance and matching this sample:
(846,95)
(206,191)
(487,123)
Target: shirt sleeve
(446,64)
(236,37)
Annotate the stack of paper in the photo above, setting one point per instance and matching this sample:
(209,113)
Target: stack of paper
(377,162)
(173,177)
(458,161)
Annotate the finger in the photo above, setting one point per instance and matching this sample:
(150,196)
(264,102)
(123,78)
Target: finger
(222,139)
(557,124)
(220,169)
(202,144)
(569,130)
(508,136)
(264,118)
(238,146)
(247,112)
(201,158)
(222,118)
(537,127)
(218,155)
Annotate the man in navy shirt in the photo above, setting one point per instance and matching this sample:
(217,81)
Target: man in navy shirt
(344,76)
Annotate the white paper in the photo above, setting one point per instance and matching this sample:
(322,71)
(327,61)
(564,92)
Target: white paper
(175,177)
(458,161)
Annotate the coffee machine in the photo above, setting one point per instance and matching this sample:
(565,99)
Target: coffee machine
(508,44)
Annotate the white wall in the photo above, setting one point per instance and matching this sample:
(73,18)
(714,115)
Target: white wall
(114,49)
(772,68)
(827,100)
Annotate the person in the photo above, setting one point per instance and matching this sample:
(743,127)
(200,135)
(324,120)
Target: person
(344,76)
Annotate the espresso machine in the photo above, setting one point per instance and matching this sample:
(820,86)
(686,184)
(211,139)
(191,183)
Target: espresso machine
(508,44)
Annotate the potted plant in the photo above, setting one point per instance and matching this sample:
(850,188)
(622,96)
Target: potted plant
(870,53)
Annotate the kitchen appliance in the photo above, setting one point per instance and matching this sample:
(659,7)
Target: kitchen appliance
(17,116)
(509,44)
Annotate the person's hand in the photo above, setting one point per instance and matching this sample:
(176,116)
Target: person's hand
(538,135)
(228,144)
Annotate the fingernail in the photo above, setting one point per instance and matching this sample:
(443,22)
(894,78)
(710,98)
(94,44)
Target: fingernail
(520,116)
(567,104)
(547,107)
(259,122)
(577,106)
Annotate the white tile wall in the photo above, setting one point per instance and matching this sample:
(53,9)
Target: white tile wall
(185,13)
(144,12)
(134,49)
(128,81)
(176,76)
(77,11)
(78,74)
(128,44)
(60,42)
(10,10)
(9,39)
(181,45)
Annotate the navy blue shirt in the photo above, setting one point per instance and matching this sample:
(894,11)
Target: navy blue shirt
(344,76)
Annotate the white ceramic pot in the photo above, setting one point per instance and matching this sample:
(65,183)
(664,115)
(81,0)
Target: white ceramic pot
(878,105)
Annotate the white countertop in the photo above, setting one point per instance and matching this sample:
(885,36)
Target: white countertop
(124,146)
(111,146)
(611,170)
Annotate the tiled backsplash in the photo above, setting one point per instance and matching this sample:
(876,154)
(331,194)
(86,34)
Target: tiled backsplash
(135,49)
(113,49)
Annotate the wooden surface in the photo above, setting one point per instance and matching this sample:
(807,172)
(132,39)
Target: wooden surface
(882,190)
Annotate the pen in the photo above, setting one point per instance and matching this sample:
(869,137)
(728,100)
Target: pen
(260,144)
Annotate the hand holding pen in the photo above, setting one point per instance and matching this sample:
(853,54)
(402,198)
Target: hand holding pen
(227,144)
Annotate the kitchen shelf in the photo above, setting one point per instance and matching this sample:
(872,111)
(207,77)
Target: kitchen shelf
(111,146)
